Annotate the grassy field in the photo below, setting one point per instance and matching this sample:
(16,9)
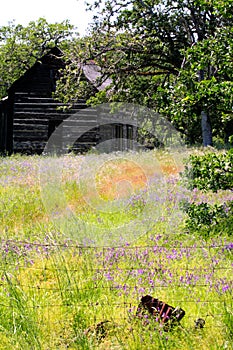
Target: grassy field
(83,238)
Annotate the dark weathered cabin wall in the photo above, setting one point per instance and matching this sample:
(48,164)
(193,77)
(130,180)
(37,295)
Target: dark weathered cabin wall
(30,115)
(3,126)
(6,127)
(30,101)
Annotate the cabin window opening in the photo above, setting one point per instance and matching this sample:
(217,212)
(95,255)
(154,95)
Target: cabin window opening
(119,131)
(119,136)
(129,136)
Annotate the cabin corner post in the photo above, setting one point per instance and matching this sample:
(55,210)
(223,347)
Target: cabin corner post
(6,126)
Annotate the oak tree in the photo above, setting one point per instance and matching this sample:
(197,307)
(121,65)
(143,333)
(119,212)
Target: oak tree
(172,56)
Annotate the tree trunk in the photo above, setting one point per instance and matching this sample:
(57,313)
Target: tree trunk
(206,129)
(205,120)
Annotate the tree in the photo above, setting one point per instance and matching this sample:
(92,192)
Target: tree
(174,57)
(21,47)
(204,85)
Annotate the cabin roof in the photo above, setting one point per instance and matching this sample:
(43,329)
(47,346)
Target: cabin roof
(93,74)
(91,71)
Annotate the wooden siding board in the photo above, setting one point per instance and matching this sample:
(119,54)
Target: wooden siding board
(30,127)
(32,122)
(30,137)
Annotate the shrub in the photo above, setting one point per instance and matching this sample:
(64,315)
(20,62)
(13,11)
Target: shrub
(206,218)
(211,171)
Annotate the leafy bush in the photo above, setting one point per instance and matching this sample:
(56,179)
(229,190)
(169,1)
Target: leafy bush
(210,171)
(207,218)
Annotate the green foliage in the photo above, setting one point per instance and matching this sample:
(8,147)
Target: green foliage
(212,171)
(21,47)
(172,57)
(213,93)
(208,218)
(209,172)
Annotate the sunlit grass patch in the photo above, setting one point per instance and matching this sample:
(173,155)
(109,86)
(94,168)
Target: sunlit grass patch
(58,285)
(95,285)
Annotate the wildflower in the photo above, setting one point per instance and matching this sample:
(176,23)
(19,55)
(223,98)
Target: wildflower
(225,288)
(229,246)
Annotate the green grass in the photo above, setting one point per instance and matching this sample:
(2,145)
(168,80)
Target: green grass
(54,293)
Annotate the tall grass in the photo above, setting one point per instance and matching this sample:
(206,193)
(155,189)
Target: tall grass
(62,275)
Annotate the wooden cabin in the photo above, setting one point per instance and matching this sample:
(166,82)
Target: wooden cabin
(29,115)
